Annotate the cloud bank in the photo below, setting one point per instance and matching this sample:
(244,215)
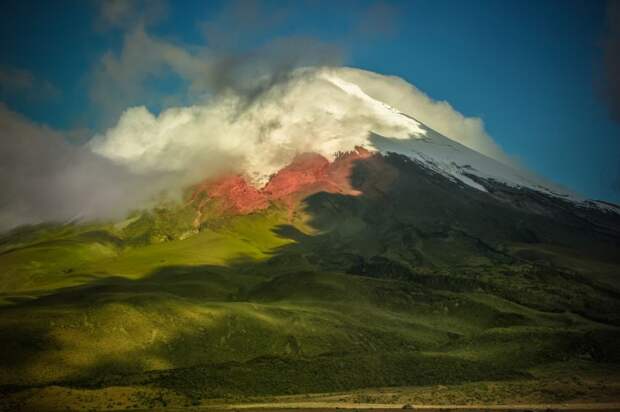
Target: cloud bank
(323,110)
(45,178)
(438,115)
(146,65)
(319,110)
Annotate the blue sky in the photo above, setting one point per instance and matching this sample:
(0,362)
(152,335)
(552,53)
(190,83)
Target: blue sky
(532,70)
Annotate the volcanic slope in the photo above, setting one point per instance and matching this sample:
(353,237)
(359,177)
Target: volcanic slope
(371,270)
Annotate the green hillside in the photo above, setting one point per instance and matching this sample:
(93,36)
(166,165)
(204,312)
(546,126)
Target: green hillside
(410,284)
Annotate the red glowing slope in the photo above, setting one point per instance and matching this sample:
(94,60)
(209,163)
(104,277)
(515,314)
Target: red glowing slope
(307,174)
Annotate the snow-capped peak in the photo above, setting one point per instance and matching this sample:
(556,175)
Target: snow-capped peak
(322,111)
(387,113)
(441,154)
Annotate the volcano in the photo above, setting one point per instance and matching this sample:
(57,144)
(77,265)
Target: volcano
(410,262)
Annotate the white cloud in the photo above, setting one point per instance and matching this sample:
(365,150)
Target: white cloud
(44,178)
(141,72)
(324,111)
(122,79)
(438,115)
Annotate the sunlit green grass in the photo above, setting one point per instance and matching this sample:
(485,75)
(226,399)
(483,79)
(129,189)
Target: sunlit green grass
(56,257)
(239,308)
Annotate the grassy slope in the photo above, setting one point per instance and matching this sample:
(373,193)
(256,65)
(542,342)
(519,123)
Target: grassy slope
(255,305)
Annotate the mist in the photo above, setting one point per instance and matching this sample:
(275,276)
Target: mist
(323,110)
(311,110)
(46,178)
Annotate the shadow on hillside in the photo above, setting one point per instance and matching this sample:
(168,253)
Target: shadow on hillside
(408,222)
(408,225)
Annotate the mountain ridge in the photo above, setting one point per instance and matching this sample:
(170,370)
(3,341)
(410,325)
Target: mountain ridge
(414,261)
(421,144)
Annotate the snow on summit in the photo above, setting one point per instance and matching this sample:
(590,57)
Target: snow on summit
(408,127)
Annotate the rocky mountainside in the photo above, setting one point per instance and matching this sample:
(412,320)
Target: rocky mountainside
(307,174)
